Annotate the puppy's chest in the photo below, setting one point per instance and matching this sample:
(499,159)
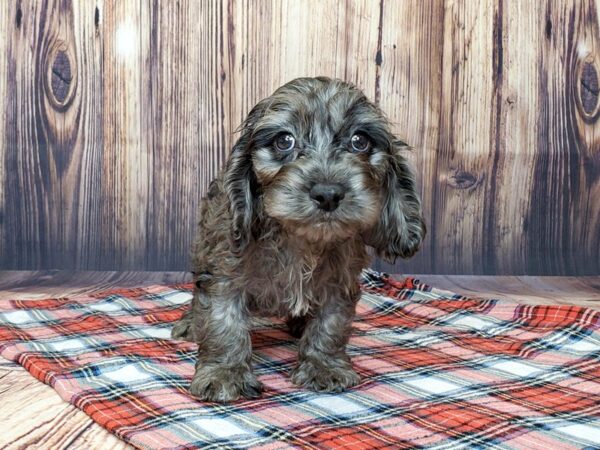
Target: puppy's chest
(283,281)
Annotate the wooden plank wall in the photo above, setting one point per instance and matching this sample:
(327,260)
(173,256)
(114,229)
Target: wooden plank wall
(115,115)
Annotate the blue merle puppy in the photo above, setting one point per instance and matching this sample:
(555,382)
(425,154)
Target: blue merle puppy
(315,177)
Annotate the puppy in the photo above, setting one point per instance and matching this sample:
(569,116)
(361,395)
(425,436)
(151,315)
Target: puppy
(315,177)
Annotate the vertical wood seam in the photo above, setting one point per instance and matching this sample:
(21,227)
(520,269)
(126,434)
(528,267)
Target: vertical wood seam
(489,231)
(378,60)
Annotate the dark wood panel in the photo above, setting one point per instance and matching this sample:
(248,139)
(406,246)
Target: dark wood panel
(565,202)
(52,134)
(4,14)
(116,116)
(508,155)
(541,216)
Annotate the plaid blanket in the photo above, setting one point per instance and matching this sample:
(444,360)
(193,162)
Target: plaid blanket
(438,371)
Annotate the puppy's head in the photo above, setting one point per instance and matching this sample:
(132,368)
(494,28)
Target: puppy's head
(319,158)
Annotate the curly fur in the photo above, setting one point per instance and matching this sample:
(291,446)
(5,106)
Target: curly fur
(264,247)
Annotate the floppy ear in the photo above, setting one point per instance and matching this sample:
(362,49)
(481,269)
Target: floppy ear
(241,184)
(400,229)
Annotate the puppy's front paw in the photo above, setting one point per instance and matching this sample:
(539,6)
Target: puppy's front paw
(224,384)
(320,377)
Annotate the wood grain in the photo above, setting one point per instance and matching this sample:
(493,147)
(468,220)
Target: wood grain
(561,160)
(4,15)
(50,210)
(262,45)
(508,155)
(409,82)
(116,116)
(46,422)
(40,419)
(127,163)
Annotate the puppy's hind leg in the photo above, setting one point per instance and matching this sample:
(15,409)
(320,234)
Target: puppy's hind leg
(184,328)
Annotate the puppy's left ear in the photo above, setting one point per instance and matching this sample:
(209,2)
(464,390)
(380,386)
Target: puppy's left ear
(241,184)
(400,229)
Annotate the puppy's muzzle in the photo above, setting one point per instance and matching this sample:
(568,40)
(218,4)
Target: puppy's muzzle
(327,196)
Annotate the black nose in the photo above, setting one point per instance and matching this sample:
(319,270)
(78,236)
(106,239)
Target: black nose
(327,196)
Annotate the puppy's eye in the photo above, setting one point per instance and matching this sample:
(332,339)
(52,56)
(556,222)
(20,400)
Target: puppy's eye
(360,143)
(284,142)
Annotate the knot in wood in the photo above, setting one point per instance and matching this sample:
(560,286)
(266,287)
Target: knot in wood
(588,89)
(61,77)
(463,180)
(18,17)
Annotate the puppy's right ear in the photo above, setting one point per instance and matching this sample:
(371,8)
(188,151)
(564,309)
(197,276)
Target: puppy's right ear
(241,185)
(401,228)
